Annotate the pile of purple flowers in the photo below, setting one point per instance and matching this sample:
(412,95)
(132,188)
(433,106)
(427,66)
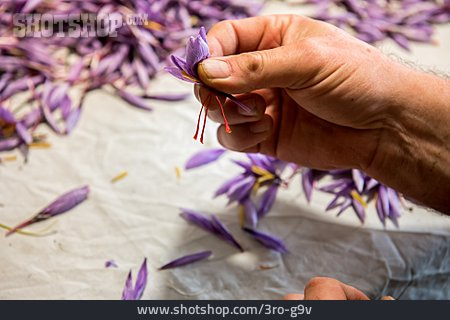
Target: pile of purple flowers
(48,72)
(375,20)
(255,188)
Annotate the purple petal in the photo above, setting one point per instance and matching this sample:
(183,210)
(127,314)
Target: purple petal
(267,240)
(9,143)
(224,188)
(61,205)
(141,281)
(250,214)
(23,133)
(344,206)
(359,209)
(224,232)
(128,292)
(198,219)
(267,200)
(307,183)
(358,179)
(72,119)
(241,190)
(204,157)
(188,259)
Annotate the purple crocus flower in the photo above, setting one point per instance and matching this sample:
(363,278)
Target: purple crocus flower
(61,205)
(204,157)
(197,50)
(135,293)
(211,224)
(188,259)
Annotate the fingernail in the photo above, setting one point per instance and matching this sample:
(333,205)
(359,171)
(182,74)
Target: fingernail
(216,68)
(387,298)
(261,126)
(251,111)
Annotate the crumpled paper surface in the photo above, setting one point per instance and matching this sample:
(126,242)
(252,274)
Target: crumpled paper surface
(137,217)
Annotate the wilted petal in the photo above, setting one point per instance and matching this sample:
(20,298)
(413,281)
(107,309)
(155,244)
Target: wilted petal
(250,213)
(23,133)
(61,205)
(358,179)
(128,292)
(241,190)
(268,240)
(72,119)
(267,200)
(141,281)
(9,143)
(224,232)
(224,188)
(198,219)
(188,259)
(359,209)
(179,74)
(307,183)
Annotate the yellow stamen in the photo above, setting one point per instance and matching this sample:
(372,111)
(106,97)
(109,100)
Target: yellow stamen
(152,25)
(119,177)
(358,198)
(10,158)
(40,145)
(178,172)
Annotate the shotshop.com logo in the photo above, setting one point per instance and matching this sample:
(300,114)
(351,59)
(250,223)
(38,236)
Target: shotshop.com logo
(73,25)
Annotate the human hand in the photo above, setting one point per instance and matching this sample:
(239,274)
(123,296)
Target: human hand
(324,99)
(321,288)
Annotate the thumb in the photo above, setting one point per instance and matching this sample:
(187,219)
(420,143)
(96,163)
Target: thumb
(290,66)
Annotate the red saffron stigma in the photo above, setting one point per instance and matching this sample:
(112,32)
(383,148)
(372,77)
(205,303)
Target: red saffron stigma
(227,127)
(205,103)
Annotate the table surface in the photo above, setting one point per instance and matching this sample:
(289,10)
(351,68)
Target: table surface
(137,217)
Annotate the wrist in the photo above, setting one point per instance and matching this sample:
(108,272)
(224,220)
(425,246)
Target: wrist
(413,153)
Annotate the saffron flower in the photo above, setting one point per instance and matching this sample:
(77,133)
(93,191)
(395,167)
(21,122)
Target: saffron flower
(135,292)
(197,50)
(61,205)
(126,60)
(188,259)
(211,224)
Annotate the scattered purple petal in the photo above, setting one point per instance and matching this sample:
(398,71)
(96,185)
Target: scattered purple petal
(188,259)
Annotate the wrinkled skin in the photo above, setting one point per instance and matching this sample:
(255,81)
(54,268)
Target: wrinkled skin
(323,99)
